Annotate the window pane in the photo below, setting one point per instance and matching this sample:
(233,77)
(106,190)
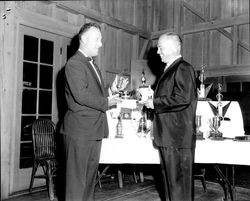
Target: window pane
(46,76)
(45,117)
(45,102)
(30,48)
(29,101)
(26,155)
(29,74)
(47,48)
(27,128)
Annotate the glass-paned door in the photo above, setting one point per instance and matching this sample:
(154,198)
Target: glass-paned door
(39,61)
(37,90)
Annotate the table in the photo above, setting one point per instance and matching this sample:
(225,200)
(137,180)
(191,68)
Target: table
(142,151)
(139,150)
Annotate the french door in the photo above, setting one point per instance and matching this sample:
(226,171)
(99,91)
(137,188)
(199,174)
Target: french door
(41,56)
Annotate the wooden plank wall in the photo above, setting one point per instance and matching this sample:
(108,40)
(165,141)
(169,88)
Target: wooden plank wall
(215,33)
(125,26)
(125,29)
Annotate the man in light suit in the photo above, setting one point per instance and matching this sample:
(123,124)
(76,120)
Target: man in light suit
(85,122)
(174,103)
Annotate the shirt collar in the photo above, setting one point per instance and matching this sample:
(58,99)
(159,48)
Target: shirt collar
(84,54)
(172,61)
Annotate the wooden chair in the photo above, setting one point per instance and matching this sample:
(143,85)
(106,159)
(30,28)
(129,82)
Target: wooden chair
(200,175)
(44,149)
(102,173)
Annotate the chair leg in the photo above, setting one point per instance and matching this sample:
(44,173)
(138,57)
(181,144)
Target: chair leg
(120,179)
(49,181)
(34,169)
(99,178)
(135,177)
(141,177)
(203,180)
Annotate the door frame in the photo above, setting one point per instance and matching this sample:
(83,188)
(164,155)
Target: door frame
(59,32)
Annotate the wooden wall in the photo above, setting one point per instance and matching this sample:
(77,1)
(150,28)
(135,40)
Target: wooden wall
(215,33)
(124,25)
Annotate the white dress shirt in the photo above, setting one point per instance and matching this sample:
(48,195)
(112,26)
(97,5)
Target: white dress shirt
(91,62)
(172,61)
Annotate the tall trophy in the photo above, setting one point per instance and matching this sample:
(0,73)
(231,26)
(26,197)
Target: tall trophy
(203,91)
(215,122)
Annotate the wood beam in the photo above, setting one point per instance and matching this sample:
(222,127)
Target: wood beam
(225,23)
(144,48)
(227,70)
(156,34)
(214,24)
(90,13)
(177,16)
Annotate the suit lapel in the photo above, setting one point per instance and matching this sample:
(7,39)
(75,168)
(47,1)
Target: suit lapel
(91,68)
(171,67)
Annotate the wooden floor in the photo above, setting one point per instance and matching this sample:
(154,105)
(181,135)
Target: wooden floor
(145,191)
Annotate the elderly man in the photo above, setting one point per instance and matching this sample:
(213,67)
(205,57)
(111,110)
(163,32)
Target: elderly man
(174,103)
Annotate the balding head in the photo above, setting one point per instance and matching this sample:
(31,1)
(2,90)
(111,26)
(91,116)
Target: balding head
(169,46)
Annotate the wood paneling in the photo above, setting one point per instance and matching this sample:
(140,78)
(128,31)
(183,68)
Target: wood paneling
(216,33)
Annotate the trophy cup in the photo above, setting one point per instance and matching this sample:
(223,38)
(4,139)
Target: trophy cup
(144,90)
(121,84)
(142,128)
(199,134)
(215,122)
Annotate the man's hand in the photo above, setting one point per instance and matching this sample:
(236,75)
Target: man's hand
(148,103)
(114,100)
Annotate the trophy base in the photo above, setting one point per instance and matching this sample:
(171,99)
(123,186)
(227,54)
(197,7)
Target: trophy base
(199,136)
(216,135)
(119,136)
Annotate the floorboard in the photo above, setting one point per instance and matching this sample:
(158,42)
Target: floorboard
(145,191)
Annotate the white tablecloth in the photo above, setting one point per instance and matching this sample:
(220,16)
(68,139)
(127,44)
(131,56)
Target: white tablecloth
(138,150)
(233,127)
(141,151)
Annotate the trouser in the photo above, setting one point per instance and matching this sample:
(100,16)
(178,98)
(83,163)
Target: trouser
(177,170)
(82,160)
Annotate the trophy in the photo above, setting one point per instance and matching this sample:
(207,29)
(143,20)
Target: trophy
(199,134)
(215,122)
(121,83)
(145,91)
(203,91)
(143,128)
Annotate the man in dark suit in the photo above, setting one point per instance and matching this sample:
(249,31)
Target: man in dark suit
(174,103)
(85,122)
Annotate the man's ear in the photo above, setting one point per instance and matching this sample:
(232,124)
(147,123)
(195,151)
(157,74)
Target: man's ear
(83,39)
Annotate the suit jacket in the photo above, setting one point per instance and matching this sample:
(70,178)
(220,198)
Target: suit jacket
(175,101)
(87,102)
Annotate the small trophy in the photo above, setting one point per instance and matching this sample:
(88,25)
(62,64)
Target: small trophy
(215,123)
(145,91)
(199,134)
